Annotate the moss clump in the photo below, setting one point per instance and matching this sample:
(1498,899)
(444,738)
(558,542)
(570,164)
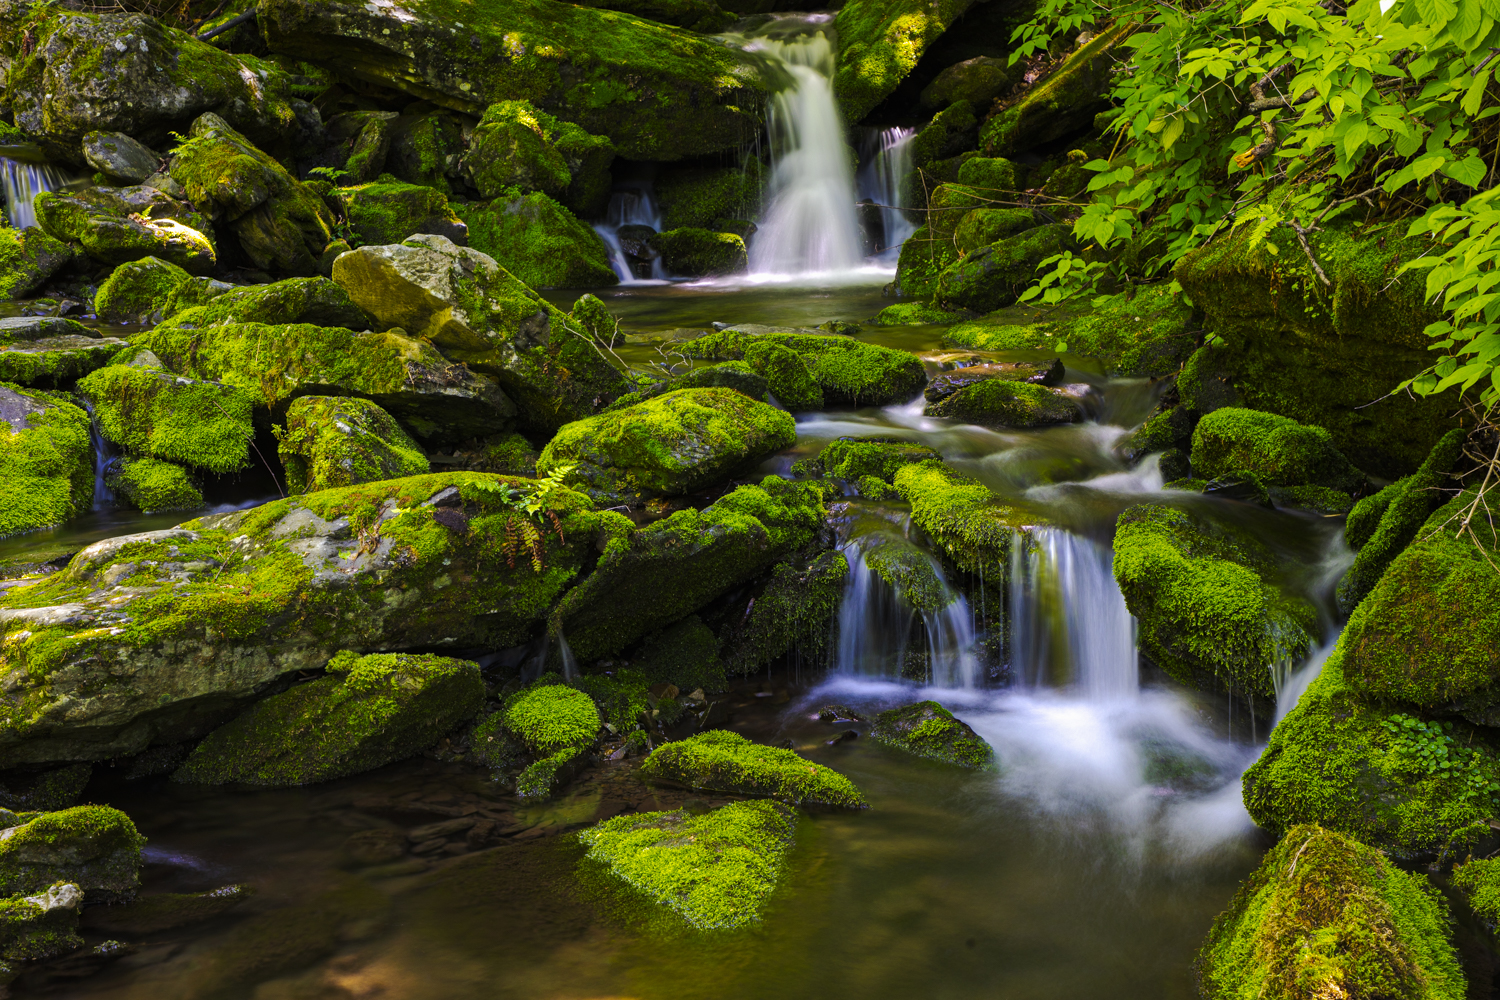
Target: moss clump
(715,870)
(846,370)
(370,711)
(880,43)
(915,314)
(332,441)
(139,290)
(46,475)
(1327,916)
(1279,450)
(700,253)
(1404,506)
(1208,612)
(538,241)
(697,199)
(541,779)
(927,729)
(386,210)
(623,696)
(995,275)
(951,131)
(28,259)
(152,413)
(1389,779)
(1368,511)
(1428,633)
(1319,499)
(851,459)
(1479,881)
(924,256)
(722,761)
(685,655)
(911,573)
(736,375)
(516,146)
(672,444)
(993,175)
(95,847)
(552,717)
(295,300)
(984,226)
(1002,403)
(968,522)
(148,485)
(793,614)
(786,375)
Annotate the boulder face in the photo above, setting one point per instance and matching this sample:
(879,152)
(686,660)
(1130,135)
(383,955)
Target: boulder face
(880,42)
(515,145)
(846,370)
(117,155)
(699,253)
(539,241)
(151,413)
(670,445)
(119,225)
(148,485)
(927,729)
(46,475)
(138,290)
(388,211)
(334,441)
(1277,449)
(656,92)
(191,623)
(296,300)
(96,848)
(994,276)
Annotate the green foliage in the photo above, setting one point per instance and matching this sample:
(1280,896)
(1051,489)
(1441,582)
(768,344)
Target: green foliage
(727,762)
(1277,449)
(1429,748)
(1479,881)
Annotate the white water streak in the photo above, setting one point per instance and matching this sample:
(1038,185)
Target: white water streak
(21,183)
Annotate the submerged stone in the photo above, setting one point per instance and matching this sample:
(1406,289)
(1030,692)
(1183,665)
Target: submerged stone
(150,485)
(165,911)
(46,472)
(94,847)
(152,413)
(332,441)
(714,869)
(722,761)
(927,729)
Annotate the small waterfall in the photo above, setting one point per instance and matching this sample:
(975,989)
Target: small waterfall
(1069,624)
(811,223)
(104,454)
(882,178)
(22,180)
(629,207)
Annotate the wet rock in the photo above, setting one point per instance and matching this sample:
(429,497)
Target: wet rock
(368,712)
(94,847)
(722,761)
(685,656)
(388,211)
(844,737)
(1004,403)
(669,445)
(139,290)
(166,911)
(29,258)
(962,517)
(1049,373)
(927,729)
(994,276)
(43,925)
(152,413)
(150,485)
(539,241)
(979,81)
(238,601)
(851,459)
(787,375)
(1279,450)
(699,198)
(981,227)
(119,225)
(715,868)
(119,156)
(46,473)
(838,713)
(339,441)
(913,576)
(47,791)
(427,149)
(950,133)
(473,310)
(700,253)
(359,142)
(516,146)
(635,241)
(880,43)
(846,370)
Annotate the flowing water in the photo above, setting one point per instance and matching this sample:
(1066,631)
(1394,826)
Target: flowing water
(24,175)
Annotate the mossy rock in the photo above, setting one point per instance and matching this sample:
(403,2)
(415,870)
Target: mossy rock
(715,870)
(971,526)
(852,459)
(28,260)
(551,717)
(139,290)
(685,655)
(736,375)
(880,43)
(217,610)
(1064,101)
(846,370)
(543,778)
(1358,767)
(42,925)
(951,131)
(994,276)
(94,847)
(924,256)
(516,146)
(669,445)
(427,150)
(388,211)
(316,300)
(154,414)
(119,157)
(46,468)
(978,80)
(927,729)
(112,229)
(787,376)
(697,198)
(915,314)
(1209,611)
(1479,880)
(792,614)
(911,573)
(332,441)
(989,174)
(982,226)
(658,574)
(1325,915)
(539,241)
(56,362)
(1002,403)
(370,711)
(165,911)
(150,485)
(694,15)
(1279,450)
(699,253)
(721,761)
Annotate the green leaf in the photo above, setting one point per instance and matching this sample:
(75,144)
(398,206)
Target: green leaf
(1354,139)
(1469,171)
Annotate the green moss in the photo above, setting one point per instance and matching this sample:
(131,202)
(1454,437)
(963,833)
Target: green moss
(370,711)
(332,441)
(139,290)
(983,226)
(551,717)
(722,761)
(792,614)
(28,258)
(993,175)
(538,241)
(295,300)
(622,696)
(1406,506)
(699,253)
(1319,499)
(847,371)
(951,131)
(44,925)
(715,870)
(1367,513)
(388,211)
(672,444)
(736,375)
(698,199)
(46,475)
(923,257)
(995,275)
(1062,102)
(1006,404)
(985,335)
(786,375)
(880,43)
(1479,881)
(1277,449)
(541,779)
(915,314)
(927,729)
(685,655)
(1208,614)
(910,572)
(970,524)
(515,145)
(1327,916)
(150,485)
(56,362)
(151,413)
(114,229)
(95,847)
(852,459)
(1349,764)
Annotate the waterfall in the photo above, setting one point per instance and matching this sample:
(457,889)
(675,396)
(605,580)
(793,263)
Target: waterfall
(811,223)
(629,207)
(21,181)
(886,163)
(104,454)
(1068,620)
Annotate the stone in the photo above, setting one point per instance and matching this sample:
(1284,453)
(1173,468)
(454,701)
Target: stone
(1279,450)
(94,847)
(721,761)
(56,362)
(879,43)
(119,156)
(994,276)
(1049,373)
(694,15)
(150,485)
(317,301)
(736,375)
(539,241)
(846,370)
(388,211)
(427,149)
(950,133)
(358,143)
(42,925)
(29,258)
(139,291)
(669,445)
(367,712)
(700,253)
(927,729)
(978,80)
(967,522)
(334,441)
(165,911)
(152,413)
(698,197)
(46,468)
(515,145)
(1008,404)
(119,225)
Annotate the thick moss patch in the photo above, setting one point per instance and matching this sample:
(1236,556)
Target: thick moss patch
(139,290)
(552,717)
(154,414)
(295,300)
(332,441)
(880,43)
(538,241)
(699,253)
(42,925)
(94,847)
(927,729)
(1002,403)
(969,523)
(386,210)
(722,761)
(148,485)
(1279,450)
(46,475)
(846,370)
(515,145)
(793,614)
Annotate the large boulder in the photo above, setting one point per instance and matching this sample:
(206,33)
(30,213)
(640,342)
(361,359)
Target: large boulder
(29,258)
(120,157)
(220,608)
(367,712)
(516,146)
(477,313)
(46,471)
(118,225)
(388,211)
(670,445)
(295,300)
(962,517)
(51,351)
(880,43)
(139,291)
(1277,449)
(152,413)
(658,93)
(793,613)
(994,276)
(95,848)
(539,241)
(846,370)
(699,253)
(334,441)
(978,80)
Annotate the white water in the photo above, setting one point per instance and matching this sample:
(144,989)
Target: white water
(21,182)
(104,453)
(882,178)
(629,207)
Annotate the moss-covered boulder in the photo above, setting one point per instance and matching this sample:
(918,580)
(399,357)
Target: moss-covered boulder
(912,575)
(150,485)
(721,761)
(880,43)
(478,313)
(736,375)
(368,712)
(1279,450)
(927,729)
(978,80)
(699,253)
(1064,101)
(516,146)
(698,197)
(1327,916)
(715,869)
(94,847)
(656,575)
(787,374)
(161,636)
(995,275)
(915,314)
(539,241)
(1479,880)
(318,301)
(1206,598)
(791,614)
(152,413)
(436,399)
(56,362)
(46,468)
(550,724)
(427,149)
(139,290)
(951,132)
(29,258)
(387,210)
(846,370)
(852,459)
(119,225)
(672,444)
(41,925)
(982,226)
(1004,403)
(971,526)
(685,655)
(119,157)
(593,68)
(332,441)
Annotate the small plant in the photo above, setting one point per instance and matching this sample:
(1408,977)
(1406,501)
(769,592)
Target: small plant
(523,535)
(1429,748)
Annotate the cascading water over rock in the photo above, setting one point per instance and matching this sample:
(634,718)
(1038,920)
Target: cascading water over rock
(629,207)
(886,159)
(21,180)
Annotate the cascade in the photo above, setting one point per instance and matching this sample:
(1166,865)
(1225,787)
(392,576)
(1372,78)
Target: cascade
(629,207)
(810,222)
(882,178)
(104,454)
(21,180)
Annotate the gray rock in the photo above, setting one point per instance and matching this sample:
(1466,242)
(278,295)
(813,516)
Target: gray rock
(30,328)
(119,156)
